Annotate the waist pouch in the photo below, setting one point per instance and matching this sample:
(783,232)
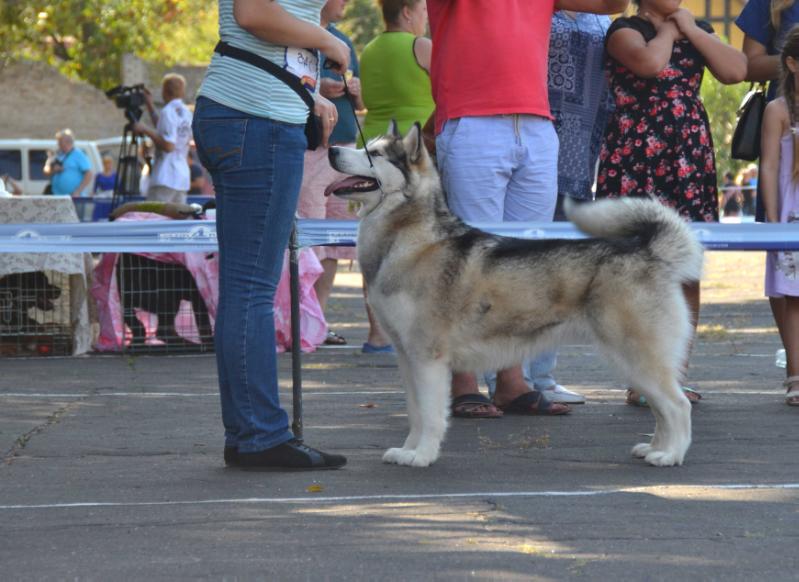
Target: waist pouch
(313,126)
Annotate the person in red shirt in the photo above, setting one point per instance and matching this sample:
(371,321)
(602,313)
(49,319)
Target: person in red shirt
(495,142)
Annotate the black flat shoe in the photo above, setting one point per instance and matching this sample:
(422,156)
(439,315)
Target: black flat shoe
(231,456)
(292,455)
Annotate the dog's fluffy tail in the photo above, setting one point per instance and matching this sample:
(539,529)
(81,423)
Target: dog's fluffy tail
(665,232)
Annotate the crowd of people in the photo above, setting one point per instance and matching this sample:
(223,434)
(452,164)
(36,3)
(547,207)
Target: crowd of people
(524,105)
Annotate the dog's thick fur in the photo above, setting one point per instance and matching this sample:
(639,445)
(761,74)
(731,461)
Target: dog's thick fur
(452,297)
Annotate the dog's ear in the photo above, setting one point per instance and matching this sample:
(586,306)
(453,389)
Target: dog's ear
(414,144)
(393,129)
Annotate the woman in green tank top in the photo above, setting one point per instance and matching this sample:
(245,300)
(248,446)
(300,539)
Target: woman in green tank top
(395,78)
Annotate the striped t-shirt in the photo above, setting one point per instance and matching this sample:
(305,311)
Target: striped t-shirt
(246,88)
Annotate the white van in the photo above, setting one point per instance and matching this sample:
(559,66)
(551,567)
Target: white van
(23,159)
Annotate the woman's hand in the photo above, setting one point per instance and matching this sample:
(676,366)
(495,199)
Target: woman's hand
(330,88)
(354,87)
(337,51)
(670,27)
(685,21)
(328,113)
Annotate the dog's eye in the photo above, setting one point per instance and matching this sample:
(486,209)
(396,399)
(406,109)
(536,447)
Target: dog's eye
(376,154)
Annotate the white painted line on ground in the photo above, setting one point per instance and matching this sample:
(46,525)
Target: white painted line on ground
(402,497)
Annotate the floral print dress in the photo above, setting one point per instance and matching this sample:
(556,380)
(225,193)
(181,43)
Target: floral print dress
(657,143)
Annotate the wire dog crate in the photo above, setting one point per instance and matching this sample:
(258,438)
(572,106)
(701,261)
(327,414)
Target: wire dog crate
(163,310)
(35,314)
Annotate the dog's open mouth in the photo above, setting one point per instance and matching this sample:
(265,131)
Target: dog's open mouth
(351,185)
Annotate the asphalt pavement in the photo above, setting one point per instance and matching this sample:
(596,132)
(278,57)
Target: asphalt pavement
(112,470)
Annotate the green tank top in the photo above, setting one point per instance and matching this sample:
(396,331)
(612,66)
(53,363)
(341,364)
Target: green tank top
(393,84)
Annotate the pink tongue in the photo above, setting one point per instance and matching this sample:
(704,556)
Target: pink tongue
(345,183)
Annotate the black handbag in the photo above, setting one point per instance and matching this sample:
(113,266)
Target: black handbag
(746,138)
(313,126)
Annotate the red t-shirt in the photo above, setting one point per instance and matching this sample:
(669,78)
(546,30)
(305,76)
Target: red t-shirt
(489,57)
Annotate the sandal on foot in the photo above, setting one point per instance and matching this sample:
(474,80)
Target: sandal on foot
(635,398)
(334,339)
(792,390)
(368,348)
(474,406)
(534,403)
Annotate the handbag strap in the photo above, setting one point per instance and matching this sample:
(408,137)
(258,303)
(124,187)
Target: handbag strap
(267,66)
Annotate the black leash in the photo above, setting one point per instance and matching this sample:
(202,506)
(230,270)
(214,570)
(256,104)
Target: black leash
(329,65)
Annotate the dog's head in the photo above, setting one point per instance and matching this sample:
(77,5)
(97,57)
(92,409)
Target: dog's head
(398,168)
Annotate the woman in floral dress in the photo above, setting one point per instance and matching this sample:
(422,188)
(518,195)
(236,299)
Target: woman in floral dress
(658,143)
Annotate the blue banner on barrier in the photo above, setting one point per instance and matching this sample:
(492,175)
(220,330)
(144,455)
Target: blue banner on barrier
(200,235)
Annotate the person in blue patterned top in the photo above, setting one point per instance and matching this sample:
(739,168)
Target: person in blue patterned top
(249,131)
(579,99)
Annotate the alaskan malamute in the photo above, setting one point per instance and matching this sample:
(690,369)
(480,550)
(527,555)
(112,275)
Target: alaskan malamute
(452,297)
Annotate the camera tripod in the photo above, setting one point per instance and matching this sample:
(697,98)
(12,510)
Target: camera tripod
(128,170)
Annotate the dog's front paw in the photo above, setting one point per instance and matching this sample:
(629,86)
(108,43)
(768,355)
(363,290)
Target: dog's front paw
(422,460)
(398,456)
(663,459)
(641,450)
(408,457)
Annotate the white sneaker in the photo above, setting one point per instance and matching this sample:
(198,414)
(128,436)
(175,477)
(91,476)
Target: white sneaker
(557,393)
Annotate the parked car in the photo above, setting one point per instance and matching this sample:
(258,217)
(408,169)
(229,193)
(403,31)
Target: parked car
(23,159)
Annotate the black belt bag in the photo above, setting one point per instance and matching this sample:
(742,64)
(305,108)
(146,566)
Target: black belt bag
(313,127)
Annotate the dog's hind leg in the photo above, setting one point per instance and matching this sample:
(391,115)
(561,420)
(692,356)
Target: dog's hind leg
(649,350)
(431,384)
(672,411)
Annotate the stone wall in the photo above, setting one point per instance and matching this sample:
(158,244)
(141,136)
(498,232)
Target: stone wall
(36,100)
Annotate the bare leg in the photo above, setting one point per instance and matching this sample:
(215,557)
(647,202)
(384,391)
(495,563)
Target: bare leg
(692,292)
(790,339)
(510,385)
(790,334)
(377,337)
(324,284)
(777,305)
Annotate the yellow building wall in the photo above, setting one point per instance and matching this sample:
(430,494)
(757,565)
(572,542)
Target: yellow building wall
(720,13)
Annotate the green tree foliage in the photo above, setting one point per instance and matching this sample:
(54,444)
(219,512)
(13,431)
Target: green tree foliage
(721,102)
(190,39)
(362,22)
(87,38)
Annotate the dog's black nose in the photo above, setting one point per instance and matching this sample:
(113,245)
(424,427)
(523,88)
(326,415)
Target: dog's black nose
(332,153)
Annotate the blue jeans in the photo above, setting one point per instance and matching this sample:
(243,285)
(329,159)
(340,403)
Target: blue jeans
(256,166)
(502,168)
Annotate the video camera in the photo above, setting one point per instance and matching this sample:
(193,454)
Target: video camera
(131,99)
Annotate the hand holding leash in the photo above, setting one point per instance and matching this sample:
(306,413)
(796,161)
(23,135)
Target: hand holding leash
(328,114)
(337,55)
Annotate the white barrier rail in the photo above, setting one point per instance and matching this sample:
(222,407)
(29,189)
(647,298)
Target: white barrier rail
(200,235)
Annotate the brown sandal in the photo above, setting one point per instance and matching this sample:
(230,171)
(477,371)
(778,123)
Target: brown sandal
(474,406)
(792,390)
(334,339)
(534,403)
